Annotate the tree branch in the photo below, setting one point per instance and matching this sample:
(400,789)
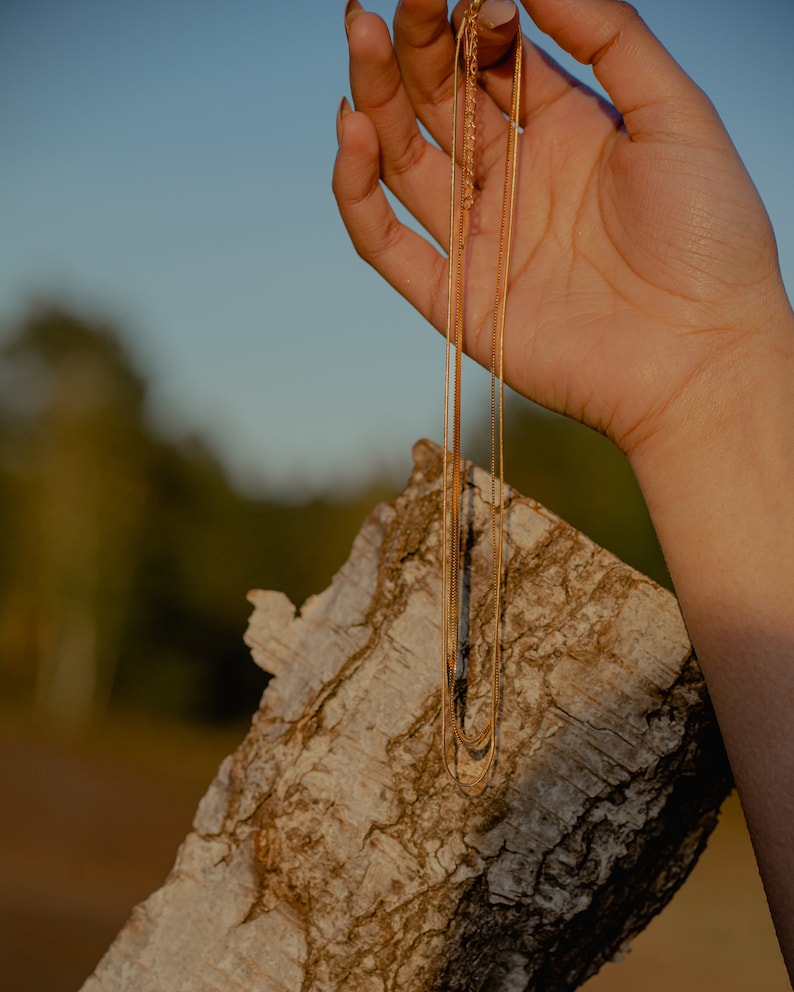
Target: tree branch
(332,852)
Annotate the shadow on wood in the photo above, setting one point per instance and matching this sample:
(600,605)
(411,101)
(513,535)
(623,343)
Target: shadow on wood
(332,852)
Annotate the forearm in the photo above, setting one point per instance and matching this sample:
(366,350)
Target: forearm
(720,490)
(635,250)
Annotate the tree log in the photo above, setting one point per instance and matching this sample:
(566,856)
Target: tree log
(332,851)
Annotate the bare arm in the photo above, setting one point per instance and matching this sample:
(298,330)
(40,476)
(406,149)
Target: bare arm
(645,301)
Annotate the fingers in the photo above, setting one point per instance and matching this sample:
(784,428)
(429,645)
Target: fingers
(425,50)
(647,86)
(417,172)
(497,23)
(405,259)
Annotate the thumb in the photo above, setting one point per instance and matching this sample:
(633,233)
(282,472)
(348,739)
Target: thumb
(645,83)
(497,23)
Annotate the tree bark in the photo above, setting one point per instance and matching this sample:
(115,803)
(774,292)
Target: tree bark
(332,852)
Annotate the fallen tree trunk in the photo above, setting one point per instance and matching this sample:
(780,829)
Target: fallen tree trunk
(332,852)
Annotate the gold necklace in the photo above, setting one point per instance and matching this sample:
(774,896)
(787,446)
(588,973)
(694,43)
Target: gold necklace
(480,746)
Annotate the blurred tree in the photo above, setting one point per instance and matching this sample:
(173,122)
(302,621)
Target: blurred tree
(207,545)
(127,556)
(77,447)
(583,477)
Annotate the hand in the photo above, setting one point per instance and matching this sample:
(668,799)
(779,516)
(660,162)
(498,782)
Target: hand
(645,299)
(643,260)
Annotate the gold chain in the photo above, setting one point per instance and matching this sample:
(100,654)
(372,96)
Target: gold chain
(479,746)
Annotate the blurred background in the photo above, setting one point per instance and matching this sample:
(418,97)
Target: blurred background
(203,391)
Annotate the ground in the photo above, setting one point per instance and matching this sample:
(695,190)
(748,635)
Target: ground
(90,826)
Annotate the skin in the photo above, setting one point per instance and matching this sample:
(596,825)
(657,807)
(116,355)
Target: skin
(645,300)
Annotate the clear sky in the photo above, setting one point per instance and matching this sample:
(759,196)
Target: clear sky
(167,163)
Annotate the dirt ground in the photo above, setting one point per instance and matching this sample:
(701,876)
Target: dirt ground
(89,828)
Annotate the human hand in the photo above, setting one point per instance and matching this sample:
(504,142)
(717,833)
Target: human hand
(645,299)
(643,262)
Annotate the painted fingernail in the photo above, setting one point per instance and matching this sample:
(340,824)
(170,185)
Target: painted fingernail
(352,9)
(342,112)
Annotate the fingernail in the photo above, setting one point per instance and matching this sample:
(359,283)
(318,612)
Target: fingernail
(341,113)
(352,9)
(495,13)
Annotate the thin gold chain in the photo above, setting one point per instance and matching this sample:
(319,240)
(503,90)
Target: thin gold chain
(480,746)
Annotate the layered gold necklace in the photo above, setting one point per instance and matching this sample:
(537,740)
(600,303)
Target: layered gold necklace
(473,751)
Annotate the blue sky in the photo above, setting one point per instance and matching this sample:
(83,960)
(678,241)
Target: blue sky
(168,162)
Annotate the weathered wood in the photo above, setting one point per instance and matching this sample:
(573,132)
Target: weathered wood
(332,852)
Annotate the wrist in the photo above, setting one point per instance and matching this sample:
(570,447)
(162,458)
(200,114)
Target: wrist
(718,472)
(721,494)
(734,418)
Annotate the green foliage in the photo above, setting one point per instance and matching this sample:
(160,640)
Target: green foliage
(205,547)
(127,556)
(75,448)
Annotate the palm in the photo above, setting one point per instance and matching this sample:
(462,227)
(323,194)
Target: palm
(627,239)
(610,264)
